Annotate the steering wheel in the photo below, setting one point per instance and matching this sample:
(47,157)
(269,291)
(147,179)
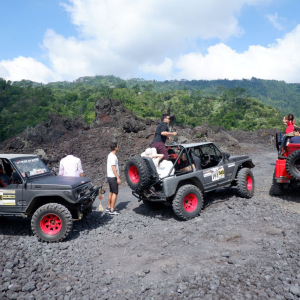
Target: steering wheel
(205,160)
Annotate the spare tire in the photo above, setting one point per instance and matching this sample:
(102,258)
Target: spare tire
(137,173)
(293,164)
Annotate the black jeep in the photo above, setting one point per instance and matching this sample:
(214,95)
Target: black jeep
(196,169)
(287,169)
(29,189)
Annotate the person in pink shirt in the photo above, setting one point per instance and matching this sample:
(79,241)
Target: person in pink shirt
(289,121)
(70,165)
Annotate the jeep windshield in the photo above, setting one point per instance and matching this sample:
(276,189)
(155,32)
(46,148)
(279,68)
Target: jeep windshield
(30,166)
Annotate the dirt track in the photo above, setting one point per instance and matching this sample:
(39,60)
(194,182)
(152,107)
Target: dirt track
(236,249)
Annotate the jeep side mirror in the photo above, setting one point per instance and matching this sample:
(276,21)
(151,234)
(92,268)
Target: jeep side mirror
(24,184)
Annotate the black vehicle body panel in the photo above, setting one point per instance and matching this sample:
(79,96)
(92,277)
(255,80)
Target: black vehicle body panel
(76,193)
(222,174)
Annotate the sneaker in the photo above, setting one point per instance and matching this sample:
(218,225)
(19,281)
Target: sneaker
(114,213)
(107,209)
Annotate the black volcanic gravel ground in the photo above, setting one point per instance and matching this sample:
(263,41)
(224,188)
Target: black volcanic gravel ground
(236,249)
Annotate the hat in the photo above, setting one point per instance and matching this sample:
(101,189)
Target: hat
(147,152)
(154,151)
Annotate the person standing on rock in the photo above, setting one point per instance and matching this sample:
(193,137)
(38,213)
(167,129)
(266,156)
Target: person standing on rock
(113,178)
(161,135)
(70,165)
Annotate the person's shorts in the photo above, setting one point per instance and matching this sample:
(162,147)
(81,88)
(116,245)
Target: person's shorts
(113,185)
(161,149)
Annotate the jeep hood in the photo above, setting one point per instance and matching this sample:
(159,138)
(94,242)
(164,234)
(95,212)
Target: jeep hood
(238,158)
(59,182)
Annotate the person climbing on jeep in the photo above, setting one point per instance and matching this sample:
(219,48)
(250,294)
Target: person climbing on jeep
(161,135)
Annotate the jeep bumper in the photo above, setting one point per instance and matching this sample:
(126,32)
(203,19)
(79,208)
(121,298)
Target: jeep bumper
(86,202)
(149,197)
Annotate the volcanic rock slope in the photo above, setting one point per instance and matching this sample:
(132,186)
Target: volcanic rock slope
(236,248)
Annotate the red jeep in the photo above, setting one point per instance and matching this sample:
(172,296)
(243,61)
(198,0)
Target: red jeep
(287,170)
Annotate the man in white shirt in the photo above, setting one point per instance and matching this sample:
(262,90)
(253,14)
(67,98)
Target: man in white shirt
(70,165)
(113,178)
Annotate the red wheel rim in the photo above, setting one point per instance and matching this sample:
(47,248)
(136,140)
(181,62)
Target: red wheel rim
(51,224)
(249,182)
(134,174)
(190,202)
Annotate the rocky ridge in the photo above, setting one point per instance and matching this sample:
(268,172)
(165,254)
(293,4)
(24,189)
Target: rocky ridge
(114,122)
(236,248)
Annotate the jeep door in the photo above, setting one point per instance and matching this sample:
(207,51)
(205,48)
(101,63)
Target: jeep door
(11,194)
(215,171)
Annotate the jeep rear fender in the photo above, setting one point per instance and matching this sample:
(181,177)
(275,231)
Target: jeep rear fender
(171,184)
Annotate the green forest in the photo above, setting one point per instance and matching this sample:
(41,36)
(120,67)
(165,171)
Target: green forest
(238,104)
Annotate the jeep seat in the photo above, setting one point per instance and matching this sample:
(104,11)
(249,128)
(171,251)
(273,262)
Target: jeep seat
(290,148)
(4,179)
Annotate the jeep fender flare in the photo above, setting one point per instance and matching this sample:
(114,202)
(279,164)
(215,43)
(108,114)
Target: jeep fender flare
(246,164)
(40,200)
(171,185)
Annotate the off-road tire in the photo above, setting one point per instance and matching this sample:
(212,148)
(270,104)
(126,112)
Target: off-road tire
(276,188)
(293,164)
(245,183)
(187,202)
(137,173)
(52,222)
(154,205)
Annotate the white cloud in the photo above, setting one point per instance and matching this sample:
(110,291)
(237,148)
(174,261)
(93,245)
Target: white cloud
(163,70)
(26,68)
(277,61)
(120,37)
(127,37)
(275,21)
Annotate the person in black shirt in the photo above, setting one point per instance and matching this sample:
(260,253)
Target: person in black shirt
(296,138)
(161,135)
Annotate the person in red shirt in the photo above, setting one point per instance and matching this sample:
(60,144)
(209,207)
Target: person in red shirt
(289,121)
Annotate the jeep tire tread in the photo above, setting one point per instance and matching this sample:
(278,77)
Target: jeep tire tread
(245,183)
(276,188)
(187,202)
(52,222)
(293,164)
(137,173)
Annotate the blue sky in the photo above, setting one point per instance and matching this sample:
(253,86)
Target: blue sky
(51,40)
